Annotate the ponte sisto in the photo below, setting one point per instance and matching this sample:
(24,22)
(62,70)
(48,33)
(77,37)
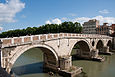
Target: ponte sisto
(57,48)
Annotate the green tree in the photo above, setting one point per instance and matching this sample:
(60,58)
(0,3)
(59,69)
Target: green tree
(65,27)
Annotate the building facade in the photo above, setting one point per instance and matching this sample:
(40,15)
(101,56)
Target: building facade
(103,29)
(112,28)
(90,26)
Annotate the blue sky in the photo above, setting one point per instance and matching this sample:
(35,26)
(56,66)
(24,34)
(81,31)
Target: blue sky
(19,14)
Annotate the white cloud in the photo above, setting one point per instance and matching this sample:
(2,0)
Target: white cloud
(48,22)
(9,9)
(105,11)
(110,20)
(64,18)
(1,28)
(54,21)
(81,19)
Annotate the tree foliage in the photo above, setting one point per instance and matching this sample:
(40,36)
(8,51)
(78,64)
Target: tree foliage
(65,27)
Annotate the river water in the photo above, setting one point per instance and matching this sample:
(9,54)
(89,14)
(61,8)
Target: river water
(30,63)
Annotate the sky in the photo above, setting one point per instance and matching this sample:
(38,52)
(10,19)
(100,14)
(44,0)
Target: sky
(19,14)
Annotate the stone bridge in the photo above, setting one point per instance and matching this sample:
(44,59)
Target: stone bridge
(57,48)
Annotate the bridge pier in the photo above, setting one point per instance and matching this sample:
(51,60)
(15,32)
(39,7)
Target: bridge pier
(95,55)
(105,50)
(64,67)
(50,62)
(65,62)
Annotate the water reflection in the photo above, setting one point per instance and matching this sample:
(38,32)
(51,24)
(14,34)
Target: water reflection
(30,64)
(29,69)
(98,69)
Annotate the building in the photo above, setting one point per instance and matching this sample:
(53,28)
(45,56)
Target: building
(90,26)
(93,27)
(112,28)
(103,29)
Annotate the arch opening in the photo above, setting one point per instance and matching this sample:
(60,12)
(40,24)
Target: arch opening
(93,43)
(50,59)
(110,45)
(100,46)
(80,50)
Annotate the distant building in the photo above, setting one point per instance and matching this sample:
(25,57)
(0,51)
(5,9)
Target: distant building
(112,28)
(93,27)
(90,26)
(112,32)
(103,29)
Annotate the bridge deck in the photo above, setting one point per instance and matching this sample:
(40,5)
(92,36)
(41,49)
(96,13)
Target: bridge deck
(7,42)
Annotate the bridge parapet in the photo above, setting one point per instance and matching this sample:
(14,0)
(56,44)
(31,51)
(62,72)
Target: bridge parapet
(7,42)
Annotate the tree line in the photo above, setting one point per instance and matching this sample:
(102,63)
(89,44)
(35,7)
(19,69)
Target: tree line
(65,27)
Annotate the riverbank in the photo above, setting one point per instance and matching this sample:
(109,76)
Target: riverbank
(3,73)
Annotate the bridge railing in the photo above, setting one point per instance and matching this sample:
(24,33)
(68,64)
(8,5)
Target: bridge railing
(6,42)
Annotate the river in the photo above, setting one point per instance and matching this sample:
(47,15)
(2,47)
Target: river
(30,63)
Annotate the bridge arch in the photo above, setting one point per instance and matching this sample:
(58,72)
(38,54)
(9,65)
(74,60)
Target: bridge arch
(109,43)
(45,48)
(84,47)
(100,45)
(93,43)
